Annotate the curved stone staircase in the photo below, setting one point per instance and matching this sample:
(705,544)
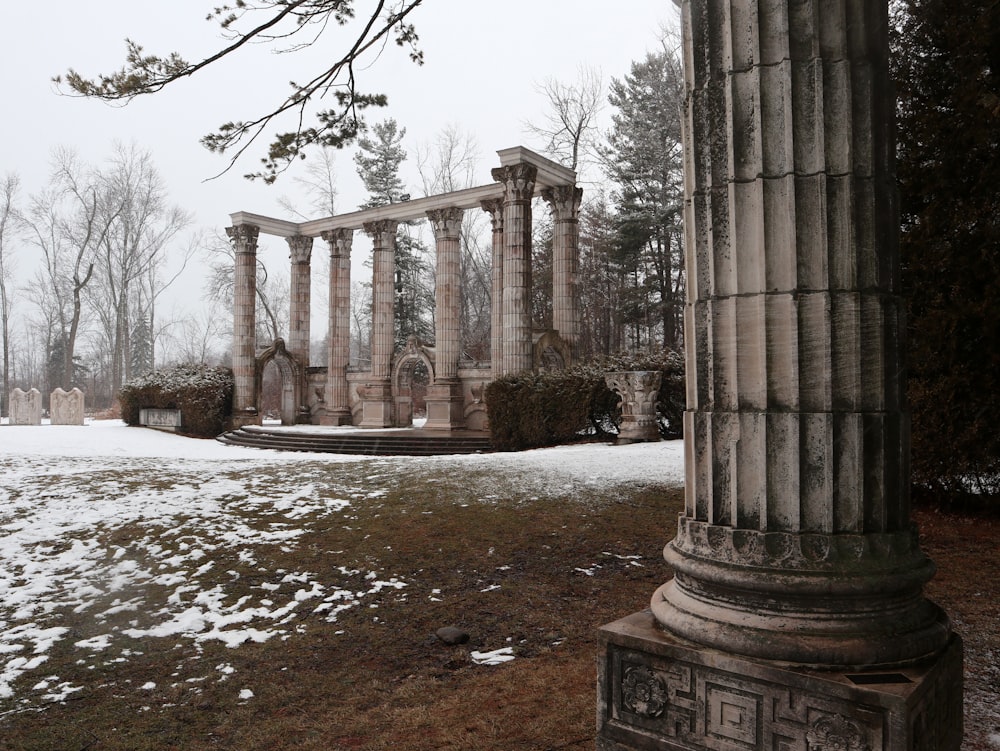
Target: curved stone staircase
(404,442)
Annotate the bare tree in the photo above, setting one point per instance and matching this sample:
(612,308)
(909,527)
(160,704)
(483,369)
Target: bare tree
(9,220)
(569,126)
(135,246)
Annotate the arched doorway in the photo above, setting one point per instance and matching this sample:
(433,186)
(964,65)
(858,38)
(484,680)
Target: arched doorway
(279,388)
(412,373)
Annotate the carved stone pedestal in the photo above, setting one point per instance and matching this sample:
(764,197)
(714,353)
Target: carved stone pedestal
(335,417)
(243,417)
(658,692)
(376,405)
(445,406)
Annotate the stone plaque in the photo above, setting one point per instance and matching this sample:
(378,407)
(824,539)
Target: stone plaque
(25,407)
(66,407)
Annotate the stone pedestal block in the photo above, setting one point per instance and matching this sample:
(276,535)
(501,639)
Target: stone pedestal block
(638,390)
(66,407)
(376,405)
(25,407)
(659,692)
(445,406)
(335,417)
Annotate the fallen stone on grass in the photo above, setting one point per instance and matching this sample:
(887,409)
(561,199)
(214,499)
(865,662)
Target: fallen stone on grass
(452,635)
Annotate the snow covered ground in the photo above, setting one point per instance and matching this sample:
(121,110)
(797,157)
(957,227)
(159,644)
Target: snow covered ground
(65,491)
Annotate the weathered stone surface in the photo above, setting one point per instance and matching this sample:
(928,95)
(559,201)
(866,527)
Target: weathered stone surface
(66,407)
(25,407)
(337,409)
(658,692)
(244,239)
(638,390)
(163,419)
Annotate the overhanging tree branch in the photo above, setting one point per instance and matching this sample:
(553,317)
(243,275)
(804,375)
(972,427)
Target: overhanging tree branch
(335,126)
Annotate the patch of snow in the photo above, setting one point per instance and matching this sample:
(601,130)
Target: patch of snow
(496,657)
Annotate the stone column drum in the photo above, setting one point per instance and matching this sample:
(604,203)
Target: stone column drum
(519,185)
(444,395)
(795,618)
(564,200)
(244,239)
(336,395)
(377,394)
(300,251)
(494,207)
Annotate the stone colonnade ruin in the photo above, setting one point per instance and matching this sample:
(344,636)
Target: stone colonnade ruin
(336,395)
(796,617)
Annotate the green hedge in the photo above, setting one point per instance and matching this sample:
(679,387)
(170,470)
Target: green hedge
(528,410)
(203,394)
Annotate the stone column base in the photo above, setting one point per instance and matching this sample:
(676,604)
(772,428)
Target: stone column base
(335,417)
(376,405)
(242,418)
(445,407)
(657,692)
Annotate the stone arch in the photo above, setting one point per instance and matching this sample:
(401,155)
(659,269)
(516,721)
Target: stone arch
(405,362)
(293,410)
(551,352)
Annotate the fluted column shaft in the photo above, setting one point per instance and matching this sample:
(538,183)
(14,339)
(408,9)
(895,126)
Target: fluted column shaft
(300,289)
(383,234)
(519,184)
(494,207)
(797,437)
(244,239)
(447,224)
(336,395)
(564,201)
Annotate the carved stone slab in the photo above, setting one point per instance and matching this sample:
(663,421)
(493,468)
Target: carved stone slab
(657,692)
(25,407)
(66,407)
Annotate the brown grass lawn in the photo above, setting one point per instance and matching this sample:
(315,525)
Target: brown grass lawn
(538,575)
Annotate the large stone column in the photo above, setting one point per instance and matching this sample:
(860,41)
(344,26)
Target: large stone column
(244,239)
(519,185)
(444,396)
(300,251)
(564,201)
(494,207)
(336,395)
(796,617)
(377,396)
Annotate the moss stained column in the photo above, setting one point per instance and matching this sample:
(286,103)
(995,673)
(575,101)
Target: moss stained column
(244,239)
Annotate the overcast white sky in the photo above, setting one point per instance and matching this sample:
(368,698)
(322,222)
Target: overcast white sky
(483,62)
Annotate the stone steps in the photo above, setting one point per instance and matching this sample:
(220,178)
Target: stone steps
(362,443)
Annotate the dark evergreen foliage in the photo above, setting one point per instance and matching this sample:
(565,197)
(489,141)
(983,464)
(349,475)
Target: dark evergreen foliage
(947,66)
(529,410)
(203,394)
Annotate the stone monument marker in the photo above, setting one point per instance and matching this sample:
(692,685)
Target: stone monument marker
(795,618)
(25,407)
(66,407)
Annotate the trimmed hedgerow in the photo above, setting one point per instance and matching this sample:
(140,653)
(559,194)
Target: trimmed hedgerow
(203,394)
(528,410)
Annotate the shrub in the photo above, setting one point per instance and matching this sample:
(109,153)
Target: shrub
(203,394)
(528,410)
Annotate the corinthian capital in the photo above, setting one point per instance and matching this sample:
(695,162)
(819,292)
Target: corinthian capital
(494,207)
(564,201)
(383,232)
(244,238)
(299,249)
(446,222)
(340,241)
(518,180)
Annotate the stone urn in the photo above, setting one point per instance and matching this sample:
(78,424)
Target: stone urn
(638,390)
